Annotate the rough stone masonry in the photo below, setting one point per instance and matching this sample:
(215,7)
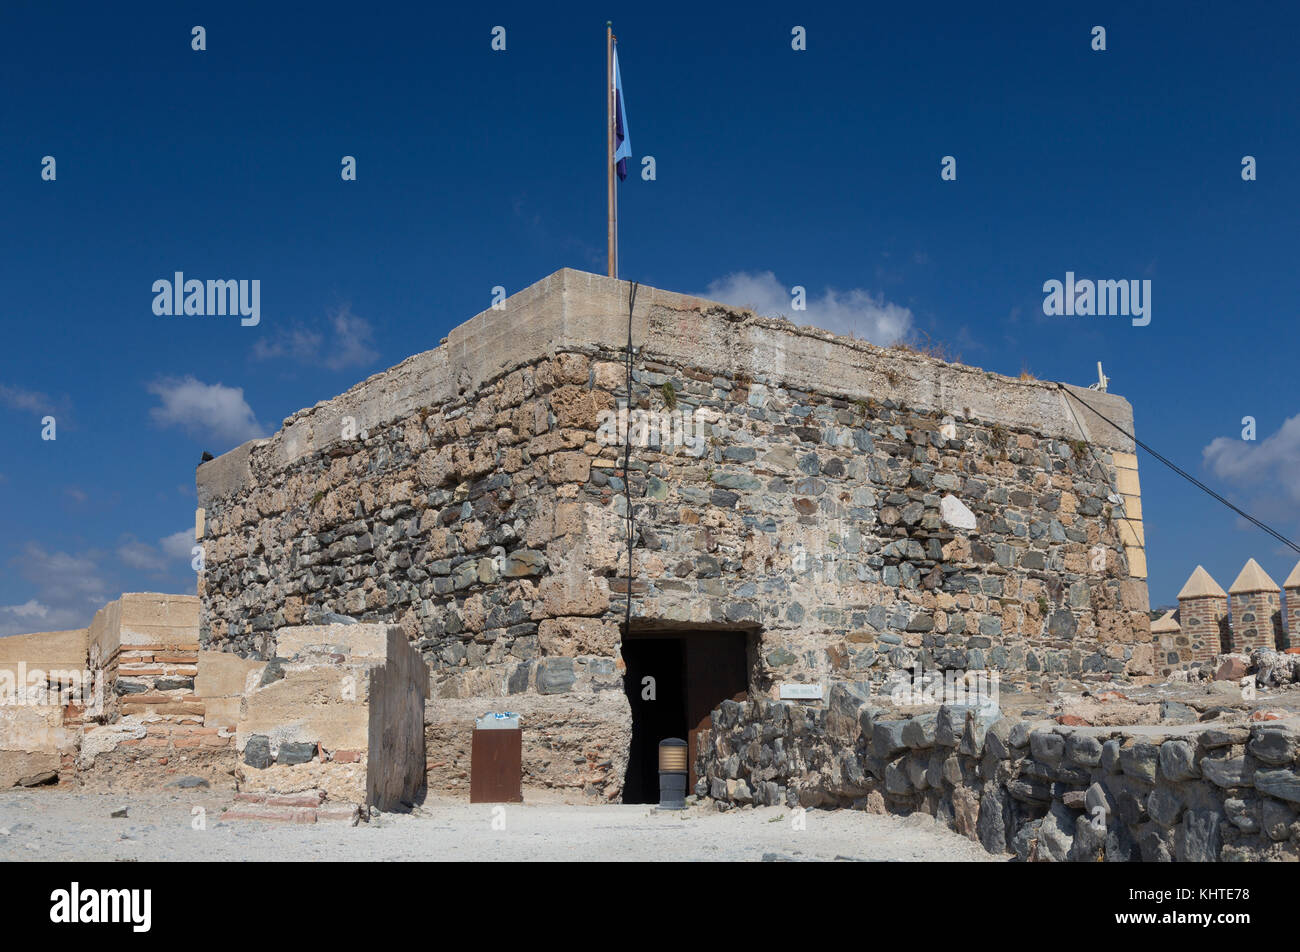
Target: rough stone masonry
(854,510)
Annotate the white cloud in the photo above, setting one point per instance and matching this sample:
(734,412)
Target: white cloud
(178,545)
(33,616)
(1270,464)
(68,590)
(212,410)
(170,554)
(858,312)
(20,399)
(76,577)
(348,345)
(351,344)
(298,344)
(28,609)
(142,556)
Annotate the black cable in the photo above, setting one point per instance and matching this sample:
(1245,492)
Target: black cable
(1102,469)
(627,450)
(1187,476)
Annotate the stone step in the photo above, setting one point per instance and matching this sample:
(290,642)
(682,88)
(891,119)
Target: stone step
(301,798)
(304,807)
(271,814)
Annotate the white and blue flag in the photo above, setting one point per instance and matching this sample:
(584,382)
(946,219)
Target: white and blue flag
(623,144)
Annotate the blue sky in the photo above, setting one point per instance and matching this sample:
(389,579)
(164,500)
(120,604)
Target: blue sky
(478,168)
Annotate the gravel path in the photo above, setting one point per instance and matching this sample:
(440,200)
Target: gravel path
(53,825)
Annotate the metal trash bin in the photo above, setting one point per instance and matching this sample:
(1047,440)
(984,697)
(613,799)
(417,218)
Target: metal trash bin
(496,759)
(673,771)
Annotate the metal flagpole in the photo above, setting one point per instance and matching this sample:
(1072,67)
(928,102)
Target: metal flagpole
(609,149)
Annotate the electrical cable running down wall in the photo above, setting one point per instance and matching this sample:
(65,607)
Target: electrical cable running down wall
(627,449)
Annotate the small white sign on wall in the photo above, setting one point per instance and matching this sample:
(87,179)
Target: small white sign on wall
(801,692)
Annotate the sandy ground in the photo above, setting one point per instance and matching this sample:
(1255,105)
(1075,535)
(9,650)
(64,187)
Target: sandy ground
(54,825)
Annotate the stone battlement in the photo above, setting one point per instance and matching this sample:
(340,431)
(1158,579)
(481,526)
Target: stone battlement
(578,311)
(1209,621)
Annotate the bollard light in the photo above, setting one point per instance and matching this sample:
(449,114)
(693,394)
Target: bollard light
(672,774)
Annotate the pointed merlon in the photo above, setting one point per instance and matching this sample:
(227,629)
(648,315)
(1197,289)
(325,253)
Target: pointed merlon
(1293,580)
(1201,585)
(1253,579)
(1165,623)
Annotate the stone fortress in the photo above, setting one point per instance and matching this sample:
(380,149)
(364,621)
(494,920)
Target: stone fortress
(813,519)
(476,507)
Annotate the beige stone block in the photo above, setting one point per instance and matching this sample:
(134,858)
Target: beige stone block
(198,525)
(183,637)
(149,609)
(1126,481)
(46,649)
(221,711)
(1134,596)
(611,376)
(355,642)
(35,728)
(1142,661)
(222,674)
(574,593)
(1133,506)
(1125,460)
(571,637)
(103,631)
(341,782)
(579,407)
(319,704)
(1131,532)
(436,467)
(16,764)
(1137,562)
(570,368)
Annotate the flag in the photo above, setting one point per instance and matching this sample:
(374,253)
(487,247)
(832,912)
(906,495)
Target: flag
(623,145)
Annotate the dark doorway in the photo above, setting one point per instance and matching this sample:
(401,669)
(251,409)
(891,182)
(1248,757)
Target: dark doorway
(693,672)
(653,718)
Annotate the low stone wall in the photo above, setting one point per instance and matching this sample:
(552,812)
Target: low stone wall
(146,644)
(571,748)
(337,715)
(38,743)
(40,725)
(1040,790)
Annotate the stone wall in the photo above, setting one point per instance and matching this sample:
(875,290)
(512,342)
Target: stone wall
(40,727)
(117,704)
(859,509)
(146,645)
(337,717)
(1040,790)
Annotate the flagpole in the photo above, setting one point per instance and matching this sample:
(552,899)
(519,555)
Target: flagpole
(609,150)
